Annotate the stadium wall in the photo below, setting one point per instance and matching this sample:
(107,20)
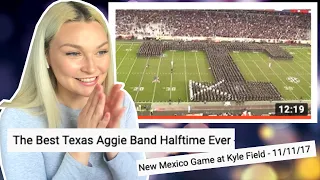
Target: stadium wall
(215,39)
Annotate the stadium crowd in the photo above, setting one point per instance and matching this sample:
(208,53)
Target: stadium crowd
(210,23)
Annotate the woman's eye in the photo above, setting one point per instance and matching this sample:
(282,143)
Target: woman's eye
(102,52)
(72,54)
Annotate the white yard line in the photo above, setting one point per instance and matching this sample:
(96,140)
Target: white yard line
(185,74)
(130,71)
(135,98)
(308,62)
(298,57)
(198,66)
(124,57)
(171,75)
(302,61)
(259,67)
(155,84)
(278,77)
(247,67)
(119,47)
(289,75)
(262,60)
(301,76)
(308,72)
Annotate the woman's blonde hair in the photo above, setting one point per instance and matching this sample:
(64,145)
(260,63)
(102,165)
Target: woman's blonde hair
(38,83)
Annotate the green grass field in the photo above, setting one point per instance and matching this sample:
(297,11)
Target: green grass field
(292,78)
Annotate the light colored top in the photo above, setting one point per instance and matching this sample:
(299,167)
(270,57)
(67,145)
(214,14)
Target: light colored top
(61,165)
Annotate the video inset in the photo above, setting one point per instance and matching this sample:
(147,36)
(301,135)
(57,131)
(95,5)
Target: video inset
(223,63)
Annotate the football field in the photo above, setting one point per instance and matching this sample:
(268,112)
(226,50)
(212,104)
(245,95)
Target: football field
(291,78)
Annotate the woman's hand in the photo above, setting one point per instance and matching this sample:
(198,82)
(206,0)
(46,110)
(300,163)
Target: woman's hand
(114,107)
(92,116)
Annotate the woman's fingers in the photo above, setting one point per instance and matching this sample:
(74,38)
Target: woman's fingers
(83,120)
(113,93)
(89,102)
(98,112)
(94,103)
(118,99)
(116,117)
(103,112)
(105,121)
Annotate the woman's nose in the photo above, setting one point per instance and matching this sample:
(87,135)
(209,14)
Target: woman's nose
(89,66)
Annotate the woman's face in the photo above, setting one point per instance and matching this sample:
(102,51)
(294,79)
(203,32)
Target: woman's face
(79,57)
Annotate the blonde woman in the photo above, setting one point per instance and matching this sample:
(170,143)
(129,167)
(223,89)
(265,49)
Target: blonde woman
(68,82)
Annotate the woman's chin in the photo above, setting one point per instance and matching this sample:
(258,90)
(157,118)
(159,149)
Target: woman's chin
(86,92)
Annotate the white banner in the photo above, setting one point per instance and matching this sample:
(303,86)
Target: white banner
(121,140)
(227,158)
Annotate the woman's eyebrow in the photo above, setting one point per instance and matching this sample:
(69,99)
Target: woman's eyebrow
(102,44)
(79,47)
(71,45)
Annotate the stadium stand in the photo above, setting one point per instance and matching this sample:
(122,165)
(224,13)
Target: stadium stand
(231,85)
(210,23)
